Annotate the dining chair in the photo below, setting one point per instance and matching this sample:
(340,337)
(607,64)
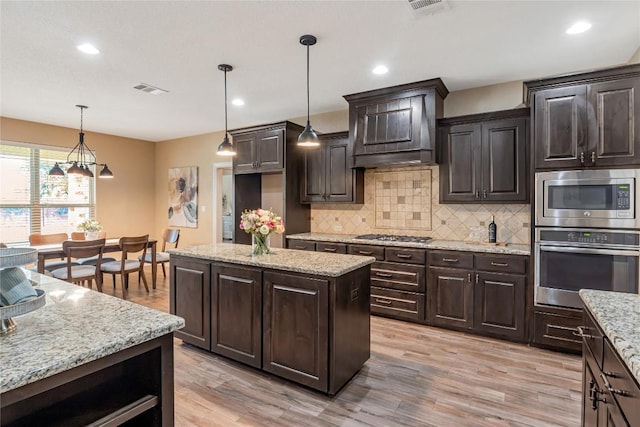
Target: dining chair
(130,246)
(76,273)
(169,236)
(50,239)
(79,235)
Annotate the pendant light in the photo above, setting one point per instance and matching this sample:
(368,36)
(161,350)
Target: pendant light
(308,138)
(225,149)
(80,158)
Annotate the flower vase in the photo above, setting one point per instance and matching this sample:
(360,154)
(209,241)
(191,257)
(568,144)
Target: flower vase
(91,235)
(260,244)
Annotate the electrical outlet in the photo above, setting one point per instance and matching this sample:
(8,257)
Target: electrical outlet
(203,209)
(337,227)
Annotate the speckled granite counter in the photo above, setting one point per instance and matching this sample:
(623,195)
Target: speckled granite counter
(325,264)
(618,314)
(511,249)
(76,326)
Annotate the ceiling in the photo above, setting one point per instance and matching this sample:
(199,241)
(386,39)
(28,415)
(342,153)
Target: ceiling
(177,46)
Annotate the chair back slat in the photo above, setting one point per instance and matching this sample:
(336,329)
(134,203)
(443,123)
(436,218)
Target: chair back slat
(171,236)
(47,239)
(83,248)
(133,245)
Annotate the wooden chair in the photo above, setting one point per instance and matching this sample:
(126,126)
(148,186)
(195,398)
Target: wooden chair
(169,236)
(79,235)
(49,239)
(76,273)
(130,246)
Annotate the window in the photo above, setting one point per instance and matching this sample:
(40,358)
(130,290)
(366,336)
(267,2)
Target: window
(31,201)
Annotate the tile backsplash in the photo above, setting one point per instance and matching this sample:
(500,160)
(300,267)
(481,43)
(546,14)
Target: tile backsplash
(404,200)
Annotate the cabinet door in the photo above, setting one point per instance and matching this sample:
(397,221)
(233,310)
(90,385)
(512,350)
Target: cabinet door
(245,158)
(450,298)
(236,314)
(190,299)
(590,396)
(339,176)
(460,175)
(500,305)
(270,150)
(614,127)
(504,154)
(295,328)
(313,187)
(560,127)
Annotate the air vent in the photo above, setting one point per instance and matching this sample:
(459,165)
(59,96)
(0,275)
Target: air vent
(150,89)
(428,6)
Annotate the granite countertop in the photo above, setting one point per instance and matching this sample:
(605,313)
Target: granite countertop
(76,326)
(320,263)
(510,249)
(618,314)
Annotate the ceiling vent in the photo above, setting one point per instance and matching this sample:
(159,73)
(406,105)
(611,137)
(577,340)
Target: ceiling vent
(150,89)
(428,6)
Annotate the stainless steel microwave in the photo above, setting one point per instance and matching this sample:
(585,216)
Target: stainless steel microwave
(604,198)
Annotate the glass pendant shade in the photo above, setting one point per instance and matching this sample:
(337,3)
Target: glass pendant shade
(308,137)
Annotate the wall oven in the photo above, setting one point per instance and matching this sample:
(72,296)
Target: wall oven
(605,198)
(570,259)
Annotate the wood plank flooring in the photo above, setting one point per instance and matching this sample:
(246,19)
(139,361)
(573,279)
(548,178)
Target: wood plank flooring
(416,376)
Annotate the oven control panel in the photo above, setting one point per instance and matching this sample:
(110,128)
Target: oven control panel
(593,237)
(587,237)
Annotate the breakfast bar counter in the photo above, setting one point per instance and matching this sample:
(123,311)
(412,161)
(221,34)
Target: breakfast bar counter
(298,315)
(86,357)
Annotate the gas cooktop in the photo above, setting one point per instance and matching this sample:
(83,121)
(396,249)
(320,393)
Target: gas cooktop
(394,238)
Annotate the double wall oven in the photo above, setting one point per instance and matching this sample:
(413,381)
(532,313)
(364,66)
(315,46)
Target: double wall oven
(587,234)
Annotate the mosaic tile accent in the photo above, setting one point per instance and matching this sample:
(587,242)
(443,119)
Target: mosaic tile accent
(419,185)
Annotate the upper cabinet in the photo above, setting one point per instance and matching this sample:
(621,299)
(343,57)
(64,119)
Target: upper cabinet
(328,173)
(587,120)
(258,149)
(396,124)
(483,157)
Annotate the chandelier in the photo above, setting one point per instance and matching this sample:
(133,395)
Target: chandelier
(80,158)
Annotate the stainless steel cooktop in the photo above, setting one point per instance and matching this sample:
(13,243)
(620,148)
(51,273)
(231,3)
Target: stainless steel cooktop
(394,238)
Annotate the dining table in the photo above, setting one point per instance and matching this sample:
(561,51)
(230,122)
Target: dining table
(55,251)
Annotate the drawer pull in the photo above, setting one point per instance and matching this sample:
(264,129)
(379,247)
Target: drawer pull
(383,301)
(385,275)
(608,386)
(365,252)
(450,259)
(500,264)
(300,247)
(580,333)
(329,249)
(404,256)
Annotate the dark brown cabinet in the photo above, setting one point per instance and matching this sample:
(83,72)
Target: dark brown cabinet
(260,150)
(236,313)
(485,293)
(556,328)
(328,173)
(396,124)
(191,300)
(587,119)
(483,157)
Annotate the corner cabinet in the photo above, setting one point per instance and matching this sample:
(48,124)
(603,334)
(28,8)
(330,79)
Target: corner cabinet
(328,175)
(396,124)
(587,119)
(483,157)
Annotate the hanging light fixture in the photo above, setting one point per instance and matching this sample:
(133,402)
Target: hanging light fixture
(225,149)
(80,158)
(308,137)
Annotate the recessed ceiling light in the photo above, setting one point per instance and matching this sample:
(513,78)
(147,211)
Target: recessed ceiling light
(239,102)
(88,48)
(579,27)
(380,69)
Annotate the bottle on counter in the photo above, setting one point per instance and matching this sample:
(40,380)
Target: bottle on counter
(492,231)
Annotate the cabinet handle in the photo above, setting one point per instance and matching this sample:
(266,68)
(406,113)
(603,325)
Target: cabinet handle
(469,277)
(383,301)
(478,194)
(385,275)
(477,278)
(329,249)
(449,259)
(484,193)
(608,386)
(582,157)
(365,252)
(404,256)
(580,332)
(299,247)
(500,264)
(593,157)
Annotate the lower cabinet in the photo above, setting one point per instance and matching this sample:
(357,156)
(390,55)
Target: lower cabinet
(484,293)
(556,329)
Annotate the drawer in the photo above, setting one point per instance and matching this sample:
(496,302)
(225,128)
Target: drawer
(591,337)
(621,384)
(368,250)
(451,259)
(397,304)
(410,256)
(552,330)
(404,277)
(501,263)
(336,248)
(303,245)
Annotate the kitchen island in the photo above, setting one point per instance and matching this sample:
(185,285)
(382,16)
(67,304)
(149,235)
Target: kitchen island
(85,357)
(299,315)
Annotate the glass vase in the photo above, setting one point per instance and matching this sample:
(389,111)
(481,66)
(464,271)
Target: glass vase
(260,244)
(91,235)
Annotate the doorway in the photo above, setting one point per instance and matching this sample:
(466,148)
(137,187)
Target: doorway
(223,202)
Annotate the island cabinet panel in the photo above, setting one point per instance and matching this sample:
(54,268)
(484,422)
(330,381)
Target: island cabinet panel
(191,299)
(296,321)
(236,313)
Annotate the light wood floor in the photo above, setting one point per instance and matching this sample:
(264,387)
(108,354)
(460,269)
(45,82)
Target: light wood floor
(416,376)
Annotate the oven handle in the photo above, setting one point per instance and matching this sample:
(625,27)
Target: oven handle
(581,250)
